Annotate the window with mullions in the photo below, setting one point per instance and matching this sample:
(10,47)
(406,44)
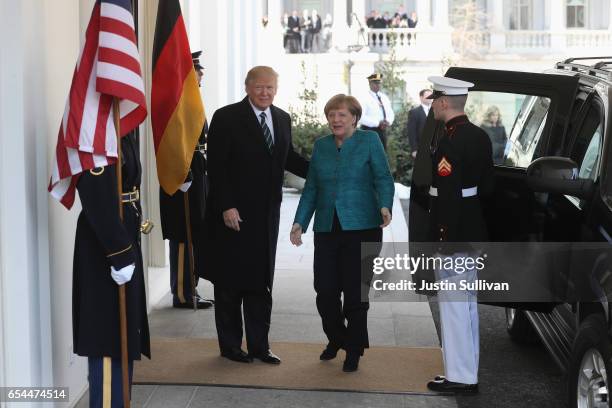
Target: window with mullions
(521,14)
(576,13)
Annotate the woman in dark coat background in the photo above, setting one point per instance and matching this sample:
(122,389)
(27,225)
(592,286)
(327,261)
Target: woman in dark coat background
(492,124)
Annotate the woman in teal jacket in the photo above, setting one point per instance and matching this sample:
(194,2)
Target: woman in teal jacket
(350,190)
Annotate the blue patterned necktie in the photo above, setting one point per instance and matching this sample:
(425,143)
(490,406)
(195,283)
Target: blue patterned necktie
(266,131)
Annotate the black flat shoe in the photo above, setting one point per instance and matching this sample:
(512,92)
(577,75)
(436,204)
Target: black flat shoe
(454,387)
(329,353)
(202,304)
(267,357)
(351,363)
(236,355)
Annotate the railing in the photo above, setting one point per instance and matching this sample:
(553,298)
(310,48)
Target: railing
(588,38)
(381,39)
(527,40)
(479,42)
(465,42)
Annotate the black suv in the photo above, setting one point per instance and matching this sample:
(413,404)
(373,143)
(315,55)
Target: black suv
(552,148)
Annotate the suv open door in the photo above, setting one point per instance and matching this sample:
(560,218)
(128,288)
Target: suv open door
(526,116)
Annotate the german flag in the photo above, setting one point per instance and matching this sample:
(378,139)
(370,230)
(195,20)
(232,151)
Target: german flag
(177,113)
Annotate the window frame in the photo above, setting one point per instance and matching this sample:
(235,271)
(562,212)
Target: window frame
(515,13)
(575,8)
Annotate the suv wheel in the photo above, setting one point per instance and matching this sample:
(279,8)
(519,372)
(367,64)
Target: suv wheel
(590,365)
(519,327)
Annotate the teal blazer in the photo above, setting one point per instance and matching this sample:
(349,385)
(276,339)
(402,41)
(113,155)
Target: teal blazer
(356,181)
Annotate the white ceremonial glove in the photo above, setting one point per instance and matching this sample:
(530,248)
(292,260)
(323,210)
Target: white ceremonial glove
(185,186)
(123,275)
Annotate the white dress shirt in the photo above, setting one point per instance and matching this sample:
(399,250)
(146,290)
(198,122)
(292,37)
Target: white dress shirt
(268,113)
(426,109)
(372,113)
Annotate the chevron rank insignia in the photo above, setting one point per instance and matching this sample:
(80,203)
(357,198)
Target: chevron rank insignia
(444,167)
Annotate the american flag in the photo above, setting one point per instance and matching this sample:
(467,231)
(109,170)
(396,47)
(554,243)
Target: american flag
(108,67)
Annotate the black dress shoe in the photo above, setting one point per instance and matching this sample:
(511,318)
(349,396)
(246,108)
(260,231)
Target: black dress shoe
(329,353)
(351,363)
(450,386)
(237,355)
(267,357)
(202,304)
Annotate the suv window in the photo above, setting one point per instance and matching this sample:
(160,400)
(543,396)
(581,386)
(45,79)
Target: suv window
(587,145)
(514,123)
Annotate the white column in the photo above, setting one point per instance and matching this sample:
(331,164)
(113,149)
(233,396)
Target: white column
(441,14)
(274,30)
(496,25)
(435,43)
(558,25)
(192,9)
(216,50)
(610,16)
(340,29)
(423,10)
(359,10)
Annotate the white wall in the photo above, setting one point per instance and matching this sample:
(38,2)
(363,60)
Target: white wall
(30,38)
(65,25)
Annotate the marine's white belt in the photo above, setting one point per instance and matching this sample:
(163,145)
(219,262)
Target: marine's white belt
(465,192)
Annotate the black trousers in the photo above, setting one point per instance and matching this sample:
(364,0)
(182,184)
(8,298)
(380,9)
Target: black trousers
(257,306)
(382,134)
(180,276)
(339,269)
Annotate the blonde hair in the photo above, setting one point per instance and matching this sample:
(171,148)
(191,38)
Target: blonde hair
(260,71)
(344,101)
(491,110)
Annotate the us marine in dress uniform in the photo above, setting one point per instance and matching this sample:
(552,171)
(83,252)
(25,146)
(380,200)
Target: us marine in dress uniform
(377,110)
(107,253)
(462,175)
(172,211)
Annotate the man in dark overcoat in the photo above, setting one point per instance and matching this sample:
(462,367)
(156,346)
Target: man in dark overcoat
(173,221)
(107,254)
(249,148)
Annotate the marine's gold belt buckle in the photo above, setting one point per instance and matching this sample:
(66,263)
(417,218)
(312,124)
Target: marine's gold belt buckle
(146,227)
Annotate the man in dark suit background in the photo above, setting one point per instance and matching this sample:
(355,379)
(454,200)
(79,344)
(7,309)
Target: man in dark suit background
(416,121)
(249,148)
(294,36)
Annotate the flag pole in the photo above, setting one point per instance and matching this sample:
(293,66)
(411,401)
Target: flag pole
(122,307)
(190,251)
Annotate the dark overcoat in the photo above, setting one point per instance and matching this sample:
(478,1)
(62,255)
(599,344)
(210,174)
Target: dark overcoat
(243,174)
(102,241)
(415,126)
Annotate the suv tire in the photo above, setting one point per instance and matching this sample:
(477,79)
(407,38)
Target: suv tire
(590,365)
(519,327)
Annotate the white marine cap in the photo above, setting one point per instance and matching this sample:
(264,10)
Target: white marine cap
(448,86)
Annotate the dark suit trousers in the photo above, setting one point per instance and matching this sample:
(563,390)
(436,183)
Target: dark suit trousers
(257,306)
(338,270)
(382,134)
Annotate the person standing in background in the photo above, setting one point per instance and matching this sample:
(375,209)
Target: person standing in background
(416,121)
(377,111)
